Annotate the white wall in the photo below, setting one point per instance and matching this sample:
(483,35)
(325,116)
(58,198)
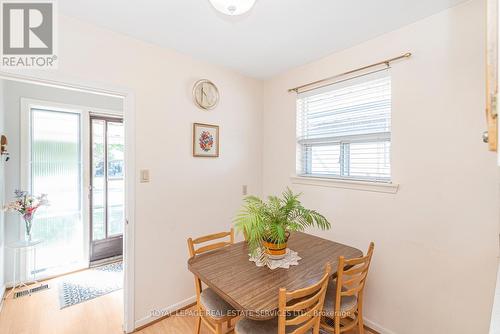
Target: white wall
(437,238)
(13,92)
(187,196)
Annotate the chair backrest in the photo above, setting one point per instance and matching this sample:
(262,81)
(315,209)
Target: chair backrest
(302,308)
(351,276)
(193,251)
(193,242)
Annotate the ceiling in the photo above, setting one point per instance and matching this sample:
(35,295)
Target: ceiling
(274,36)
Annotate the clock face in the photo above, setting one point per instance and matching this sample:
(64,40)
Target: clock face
(205,94)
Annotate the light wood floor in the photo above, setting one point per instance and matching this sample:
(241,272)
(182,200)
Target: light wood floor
(40,314)
(186,325)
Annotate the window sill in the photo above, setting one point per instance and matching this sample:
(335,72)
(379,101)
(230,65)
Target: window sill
(379,187)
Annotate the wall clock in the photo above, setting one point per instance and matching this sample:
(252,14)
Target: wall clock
(205,94)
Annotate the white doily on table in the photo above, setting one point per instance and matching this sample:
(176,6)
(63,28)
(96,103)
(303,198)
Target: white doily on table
(290,259)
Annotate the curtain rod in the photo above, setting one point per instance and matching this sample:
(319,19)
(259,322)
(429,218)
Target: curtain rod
(386,62)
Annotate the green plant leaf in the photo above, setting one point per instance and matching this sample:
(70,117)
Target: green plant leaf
(271,220)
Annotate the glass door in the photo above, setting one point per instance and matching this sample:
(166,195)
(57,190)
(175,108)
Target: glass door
(107,187)
(56,170)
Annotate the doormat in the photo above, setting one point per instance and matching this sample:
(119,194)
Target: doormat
(86,285)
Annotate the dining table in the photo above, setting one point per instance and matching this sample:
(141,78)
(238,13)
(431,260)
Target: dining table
(253,290)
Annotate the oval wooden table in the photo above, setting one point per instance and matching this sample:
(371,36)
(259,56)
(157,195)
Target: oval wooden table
(254,290)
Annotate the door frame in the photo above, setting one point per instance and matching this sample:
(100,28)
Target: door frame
(107,117)
(56,79)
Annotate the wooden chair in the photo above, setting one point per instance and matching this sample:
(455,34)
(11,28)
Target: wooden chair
(212,309)
(343,308)
(299,311)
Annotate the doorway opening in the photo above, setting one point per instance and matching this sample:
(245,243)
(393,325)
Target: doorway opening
(54,156)
(75,155)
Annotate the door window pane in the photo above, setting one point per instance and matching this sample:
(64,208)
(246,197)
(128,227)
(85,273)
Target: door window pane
(98,181)
(56,171)
(115,178)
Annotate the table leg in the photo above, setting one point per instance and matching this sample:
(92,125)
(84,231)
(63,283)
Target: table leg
(32,276)
(22,283)
(34,264)
(14,275)
(33,272)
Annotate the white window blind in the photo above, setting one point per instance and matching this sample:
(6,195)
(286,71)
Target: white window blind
(344,130)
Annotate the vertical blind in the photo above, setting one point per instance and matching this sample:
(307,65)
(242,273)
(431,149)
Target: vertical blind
(344,129)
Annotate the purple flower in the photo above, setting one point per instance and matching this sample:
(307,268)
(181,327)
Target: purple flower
(20,193)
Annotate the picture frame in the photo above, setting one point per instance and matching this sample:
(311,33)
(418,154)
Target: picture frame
(205,140)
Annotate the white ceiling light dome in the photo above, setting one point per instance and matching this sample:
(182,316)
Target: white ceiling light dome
(233,7)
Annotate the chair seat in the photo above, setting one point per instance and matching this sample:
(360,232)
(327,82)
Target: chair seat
(248,326)
(215,306)
(347,303)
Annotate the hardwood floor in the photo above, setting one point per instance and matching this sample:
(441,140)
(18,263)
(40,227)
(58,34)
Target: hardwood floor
(40,314)
(186,325)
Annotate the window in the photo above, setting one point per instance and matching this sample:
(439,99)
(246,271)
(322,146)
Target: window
(55,168)
(344,129)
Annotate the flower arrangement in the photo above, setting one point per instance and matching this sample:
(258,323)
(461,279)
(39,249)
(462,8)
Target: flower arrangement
(27,205)
(206,141)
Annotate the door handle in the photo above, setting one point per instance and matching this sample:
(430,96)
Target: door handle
(485,137)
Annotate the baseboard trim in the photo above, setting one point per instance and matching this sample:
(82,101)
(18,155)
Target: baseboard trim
(163,313)
(376,327)
(10,285)
(172,309)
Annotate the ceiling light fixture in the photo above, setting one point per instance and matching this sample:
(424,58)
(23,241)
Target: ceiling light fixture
(233,7)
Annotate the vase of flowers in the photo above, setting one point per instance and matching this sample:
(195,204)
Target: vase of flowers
(26,205)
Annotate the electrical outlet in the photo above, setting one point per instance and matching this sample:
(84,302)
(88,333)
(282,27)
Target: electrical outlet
(244,190)
(144,175)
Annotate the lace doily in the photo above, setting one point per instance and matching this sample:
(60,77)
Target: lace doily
(290,259)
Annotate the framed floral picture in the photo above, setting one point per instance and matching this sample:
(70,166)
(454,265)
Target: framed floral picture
(205,140)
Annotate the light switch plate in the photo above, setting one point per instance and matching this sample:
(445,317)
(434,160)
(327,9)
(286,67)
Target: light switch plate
(144,175)
(244,190)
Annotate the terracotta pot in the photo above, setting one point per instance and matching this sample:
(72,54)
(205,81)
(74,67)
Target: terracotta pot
(274,248)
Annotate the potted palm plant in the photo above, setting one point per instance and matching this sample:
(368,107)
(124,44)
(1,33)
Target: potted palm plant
(267,225)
